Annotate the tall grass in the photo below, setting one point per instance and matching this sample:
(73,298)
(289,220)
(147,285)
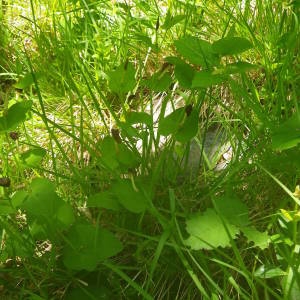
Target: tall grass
(87,66)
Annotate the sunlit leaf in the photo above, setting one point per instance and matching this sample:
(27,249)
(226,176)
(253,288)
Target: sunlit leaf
(15,115)
(269,272)
(45,207)
(207,231)
(196,51)
(297,192)
(204,79)
(33,157)
(260,239)
(286,214)
(231,45)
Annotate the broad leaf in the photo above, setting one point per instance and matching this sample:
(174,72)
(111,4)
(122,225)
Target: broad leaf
(197,51)
(45,207)
(207,231)
(145,40)
(231,208)
(18,198)
(184,73)
(139,117)
(287,134)
(87,246)
(15,115)
(171,123)
(239,67)
(130,195)
(115,155)
(159,82)
(33,157)
(122,80)
(260,239)
(231,45)
(127,158)
(27,80)
(104,199)
(6,208)
(109,152)
(189,129)
(204,79)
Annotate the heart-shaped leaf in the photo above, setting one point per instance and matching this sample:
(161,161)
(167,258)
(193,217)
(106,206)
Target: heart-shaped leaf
(45,207)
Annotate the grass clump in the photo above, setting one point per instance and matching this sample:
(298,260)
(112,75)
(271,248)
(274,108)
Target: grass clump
(149,150)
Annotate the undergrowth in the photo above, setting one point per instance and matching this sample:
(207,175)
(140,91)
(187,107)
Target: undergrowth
(149,149)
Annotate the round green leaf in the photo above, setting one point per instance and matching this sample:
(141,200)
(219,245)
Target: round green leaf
(87,246)
(207,231)
(131,197)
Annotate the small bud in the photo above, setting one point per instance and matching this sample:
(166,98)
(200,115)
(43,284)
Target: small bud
(297,192)
(126,64)
(5,182)
(116,135)
(188,109)
(157,24)
(14,135)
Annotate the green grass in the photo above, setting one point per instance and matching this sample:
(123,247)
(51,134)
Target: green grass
(108,186)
